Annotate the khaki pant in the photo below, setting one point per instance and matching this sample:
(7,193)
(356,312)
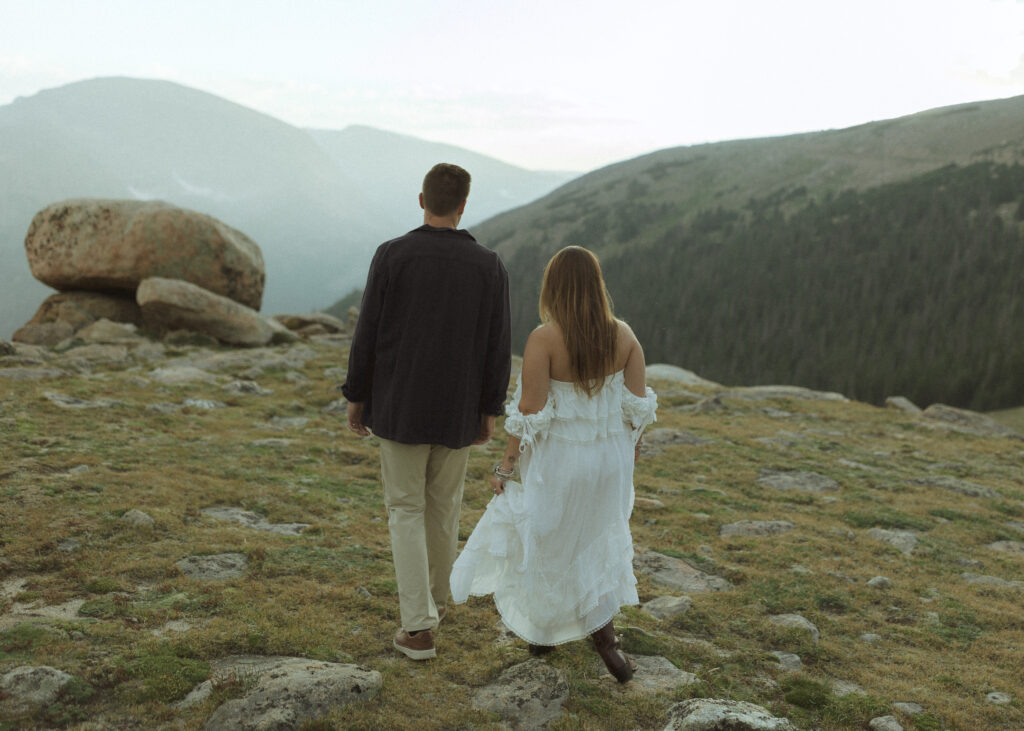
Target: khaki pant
(423,495)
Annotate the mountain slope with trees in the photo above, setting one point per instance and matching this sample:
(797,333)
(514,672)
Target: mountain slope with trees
(879,260)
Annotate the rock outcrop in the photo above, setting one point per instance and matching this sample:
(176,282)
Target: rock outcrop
(113,245)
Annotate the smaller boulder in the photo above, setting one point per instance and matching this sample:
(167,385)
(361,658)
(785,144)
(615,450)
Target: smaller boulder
(173,304)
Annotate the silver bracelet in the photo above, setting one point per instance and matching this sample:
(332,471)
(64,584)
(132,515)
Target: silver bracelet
(501,473)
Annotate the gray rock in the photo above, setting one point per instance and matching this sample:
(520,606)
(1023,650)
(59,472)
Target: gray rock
(654,674)
(953,484)
(971,421)
(910,709)
(846,687)
(755,528)
(857,465)
(903,540)
(203,404)
(247,387)
(765,393)
(1015,525)
(162,407)
(7,348)
(880,582)
(138,519)
(289,422)
(71,402)
(677,574)
(219,567)
(526,696)
(1015,548)
(999,699)
(656,441)
(69,545)
(798,480)
(272,442)
(108,331)
(667,607)
(33,687)
(991,581)
(30,374)
(712,714)
(675,374)
(795,621)
(293,691)
(338,406)
(253,520)
(177,375)
(647,503)
(787,660)
(871,637)
(901,403)
(885,723)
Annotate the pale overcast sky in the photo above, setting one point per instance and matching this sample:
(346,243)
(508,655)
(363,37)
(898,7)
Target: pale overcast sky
(546,84)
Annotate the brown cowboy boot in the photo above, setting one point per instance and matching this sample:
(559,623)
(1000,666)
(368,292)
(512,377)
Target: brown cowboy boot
(607,646)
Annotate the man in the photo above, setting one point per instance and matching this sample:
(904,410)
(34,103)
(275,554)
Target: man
(428,373)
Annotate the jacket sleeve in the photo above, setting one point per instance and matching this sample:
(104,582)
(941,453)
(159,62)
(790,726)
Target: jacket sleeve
(361,355)
(498,362)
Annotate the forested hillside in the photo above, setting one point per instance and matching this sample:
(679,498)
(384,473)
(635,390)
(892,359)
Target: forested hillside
(911,288)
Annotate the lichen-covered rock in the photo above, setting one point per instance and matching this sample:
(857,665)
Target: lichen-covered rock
(292,691)
(62,315)
(172,304)
(796,621)
(30,687)
(971,421)
(797,480)
(677,574)
(218,567)
(712,714)
(526,696)
(667,607)
(113,245)
(755,528)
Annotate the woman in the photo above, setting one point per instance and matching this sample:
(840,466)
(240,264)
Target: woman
(555,550)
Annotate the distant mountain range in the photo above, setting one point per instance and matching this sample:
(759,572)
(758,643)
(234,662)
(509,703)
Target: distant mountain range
(318,202)
(882,259)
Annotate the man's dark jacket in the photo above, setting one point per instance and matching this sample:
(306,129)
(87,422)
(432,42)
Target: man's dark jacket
(431,351)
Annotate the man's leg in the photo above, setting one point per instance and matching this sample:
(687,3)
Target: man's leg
(445,478)
(404,470)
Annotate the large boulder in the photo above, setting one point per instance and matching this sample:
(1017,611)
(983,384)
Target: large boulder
(112,245)
(172,304)
(62,315)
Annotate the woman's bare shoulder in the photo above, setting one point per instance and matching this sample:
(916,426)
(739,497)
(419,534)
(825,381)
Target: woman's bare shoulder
(625,332)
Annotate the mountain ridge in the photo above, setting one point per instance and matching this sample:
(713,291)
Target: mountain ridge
(119,137)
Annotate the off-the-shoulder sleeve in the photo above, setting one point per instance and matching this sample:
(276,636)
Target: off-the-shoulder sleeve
(527,426)
(639,412)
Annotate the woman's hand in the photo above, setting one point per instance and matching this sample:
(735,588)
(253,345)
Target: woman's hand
(497,485)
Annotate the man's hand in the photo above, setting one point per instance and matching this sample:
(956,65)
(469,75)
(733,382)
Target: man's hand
(486,429)
(355,419)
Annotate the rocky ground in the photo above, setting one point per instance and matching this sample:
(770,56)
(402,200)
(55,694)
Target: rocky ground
(189,538)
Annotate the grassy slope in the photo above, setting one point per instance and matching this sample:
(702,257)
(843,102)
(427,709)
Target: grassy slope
(669,186)
(299,595)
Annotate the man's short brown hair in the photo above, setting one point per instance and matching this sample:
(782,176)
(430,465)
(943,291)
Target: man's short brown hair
(445,187)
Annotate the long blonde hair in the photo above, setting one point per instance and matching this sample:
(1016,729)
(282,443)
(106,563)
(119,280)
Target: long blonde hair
(573,296)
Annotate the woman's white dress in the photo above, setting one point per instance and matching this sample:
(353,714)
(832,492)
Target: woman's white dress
(555,550)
